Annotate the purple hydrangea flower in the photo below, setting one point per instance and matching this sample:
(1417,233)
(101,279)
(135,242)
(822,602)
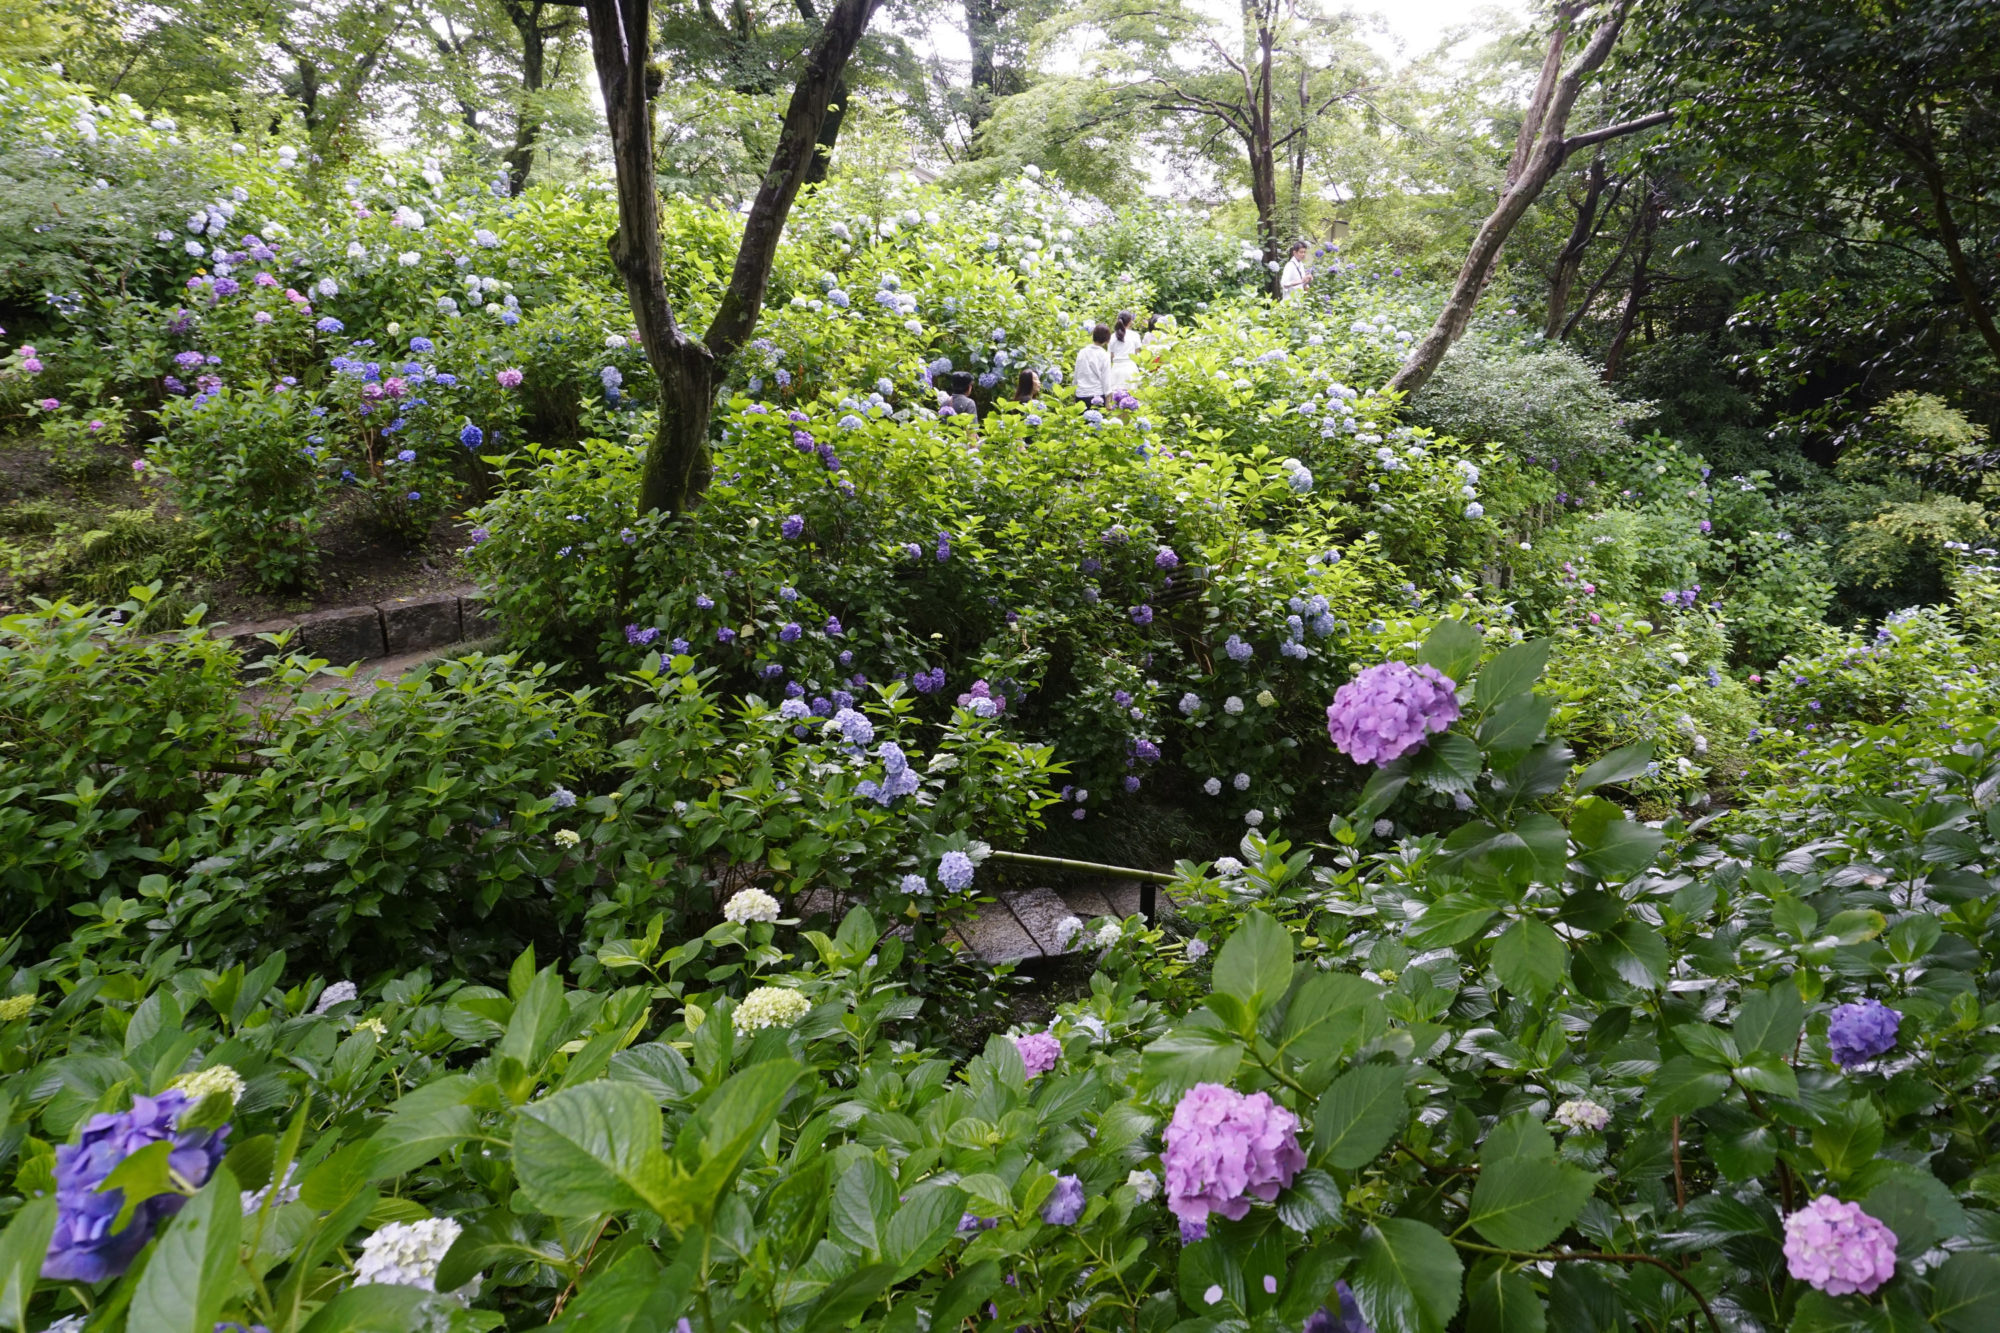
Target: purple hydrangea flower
(853,727)
(1838,1249)
(1190,1231)
(1146,750)
(1224,1148)
(1349,1319)
(803,441)
(1123,698)
(84,1248)
(944,547)
(703,601)
(981,692)
(792,528)
(1165,558)
(928,682)
(955,871)
(1388,711)
(1859,1032)
(725,635)
(833,627)
(790,632)
(1131,783)
(638,637)
(1142,614)
(509,379)
(1065,1203)
(1039,1052)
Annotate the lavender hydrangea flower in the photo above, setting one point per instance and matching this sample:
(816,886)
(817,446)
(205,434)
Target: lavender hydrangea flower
(1348,1320)
(1039,1052)
(1389,710)
(1859,1032)
(852,726)
(83,1247)
(955,871)
(1165,558)
(916,886)
(1142,614)
(1236,649)
(639,637)
(982,700)
(1838,1249)
(793,526)
(1224,1148)
(790,632)
(1065,1204)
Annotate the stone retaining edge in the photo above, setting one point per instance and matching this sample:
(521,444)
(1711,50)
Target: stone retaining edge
(347,634)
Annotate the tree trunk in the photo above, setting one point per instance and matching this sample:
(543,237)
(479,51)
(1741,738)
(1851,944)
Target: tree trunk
(520,158)
(829,135)
(1961,272)
(677,467)
(982,34)
(1549,148)
(1569,261)
(1635,295)
(1263,153)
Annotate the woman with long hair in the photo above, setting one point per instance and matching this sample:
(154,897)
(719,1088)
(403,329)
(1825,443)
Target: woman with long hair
(1124,348)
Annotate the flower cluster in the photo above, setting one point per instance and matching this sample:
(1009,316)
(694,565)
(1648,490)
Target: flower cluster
(1224,1148)
(1389,710)
(1839,1249)
(1859,1032)
(981,701)
(84,1248)
(749,905)
(407,1254)
(1065,1202)
(898,778)
(1039,1052)
(214,1081)
(955,871)
(770,1007)
(1582,1115)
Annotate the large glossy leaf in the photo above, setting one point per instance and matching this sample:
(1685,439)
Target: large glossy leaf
(1618,766)
(1683,1087)
(1328,1010)
(1358,1115)
(1965,1293)
(1449,763)
(591,1150)
(1511,673)
(1522,1204)
(193,1267)
(1635,953)
(1195,1052)
(1530,958)
(379,1307)
(22,1247)
(1770,1020)
(430,1121)
(1452,919)
(1514,725)
(1623,850)
(1500,1300)
(1255,963)
(1407,1279)
(1453,647)
(731,1121)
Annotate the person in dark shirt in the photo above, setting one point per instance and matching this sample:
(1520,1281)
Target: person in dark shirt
(1028,388)
(961,396)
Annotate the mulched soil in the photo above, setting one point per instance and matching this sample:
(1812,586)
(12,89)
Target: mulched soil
(358,564)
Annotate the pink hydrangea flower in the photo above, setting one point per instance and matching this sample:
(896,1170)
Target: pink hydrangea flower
(50,404)
(1389,710)
(32,365)
(1839,1249)
(1039,1052)
(1224,1148)
(509,378)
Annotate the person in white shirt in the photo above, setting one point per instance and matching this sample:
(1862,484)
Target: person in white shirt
(1295,277)
(1124,348)
(1092,376)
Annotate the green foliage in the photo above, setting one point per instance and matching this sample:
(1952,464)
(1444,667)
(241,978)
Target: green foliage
(1542,402)
(238,461)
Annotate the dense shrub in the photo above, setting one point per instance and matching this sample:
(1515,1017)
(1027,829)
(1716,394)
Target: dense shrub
(243,462)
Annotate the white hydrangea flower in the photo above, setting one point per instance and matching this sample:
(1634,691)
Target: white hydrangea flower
(374,1025)
(205,1083)
(407,1254)
(1254,818)
(1228,865)
(1232,705)
(567,838)
(1582,1115)
(1108,934)
(1145,1183)
(1384,827)
(340,992)
(278,1193)
(409,259)
(1265,698)
(750,905)
(409,217)
(770,1007)
(1213,786)
(1241,782)
(1197,948)
(1067,930)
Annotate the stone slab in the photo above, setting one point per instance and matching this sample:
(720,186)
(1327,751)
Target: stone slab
(1124,896)
(244,638)
(346,634)
(997,937)
(429,620)
(1087,902)
(476,620)
(1038,911)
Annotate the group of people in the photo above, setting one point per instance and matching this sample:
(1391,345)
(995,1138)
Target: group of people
(1109,362)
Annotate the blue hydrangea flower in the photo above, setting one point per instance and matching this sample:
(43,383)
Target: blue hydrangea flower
(853,727)
(422,346)
(916,885)
(406,456)
(792,528)
(1237,650)
(471,437)
(1859,1032)
(790,632)
(1142,615)
(562,798)
(955,871)
(84,1248)
(1065,1202)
